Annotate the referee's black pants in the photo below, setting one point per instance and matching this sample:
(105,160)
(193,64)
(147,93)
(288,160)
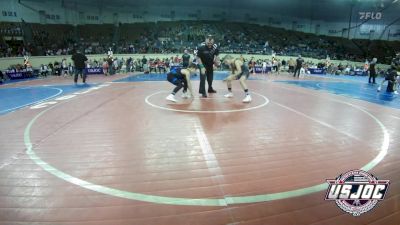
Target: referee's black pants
(82,73)
(210,77)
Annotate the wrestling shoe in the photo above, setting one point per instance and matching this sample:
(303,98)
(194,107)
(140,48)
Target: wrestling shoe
(229,95)
(247,99)
(185,95)
(171,98)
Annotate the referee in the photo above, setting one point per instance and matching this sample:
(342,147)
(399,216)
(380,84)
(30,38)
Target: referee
(207,54)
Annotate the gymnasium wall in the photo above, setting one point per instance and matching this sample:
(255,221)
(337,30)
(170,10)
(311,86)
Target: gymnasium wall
(60,12)
(36,61)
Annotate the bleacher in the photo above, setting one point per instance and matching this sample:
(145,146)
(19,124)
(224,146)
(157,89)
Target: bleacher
(174,36)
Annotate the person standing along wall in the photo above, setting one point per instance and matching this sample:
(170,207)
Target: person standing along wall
(79,60)
(185,59)
(372,71)
(299,65)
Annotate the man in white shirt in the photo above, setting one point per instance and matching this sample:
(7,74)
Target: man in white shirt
(264,67)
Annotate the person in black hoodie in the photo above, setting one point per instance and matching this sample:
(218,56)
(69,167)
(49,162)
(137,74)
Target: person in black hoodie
(299,64)
(372,71)
(391,75)
(79,60)
(1,77)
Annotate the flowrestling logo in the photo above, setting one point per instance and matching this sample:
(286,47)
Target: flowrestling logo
(356,191)
(370,15)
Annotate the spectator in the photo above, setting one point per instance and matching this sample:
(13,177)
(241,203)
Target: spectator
(299,65)
(43,70)
(1,77)
(372,71)
(79,60)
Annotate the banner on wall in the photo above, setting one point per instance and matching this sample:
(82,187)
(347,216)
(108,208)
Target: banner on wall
(259,69)
(316,71)
(360,73)
(21,74)
(94,70)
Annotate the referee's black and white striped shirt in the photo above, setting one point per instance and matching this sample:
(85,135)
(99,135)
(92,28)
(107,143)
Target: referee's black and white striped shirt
(207,54)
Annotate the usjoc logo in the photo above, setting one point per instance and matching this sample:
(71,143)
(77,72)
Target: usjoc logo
(356,191)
